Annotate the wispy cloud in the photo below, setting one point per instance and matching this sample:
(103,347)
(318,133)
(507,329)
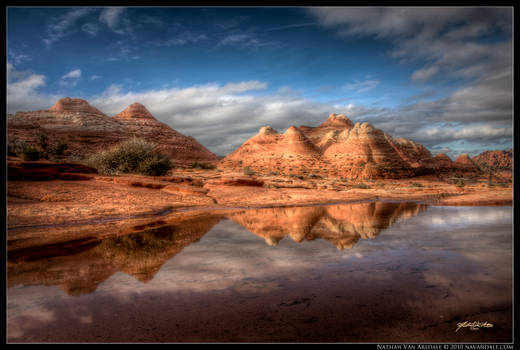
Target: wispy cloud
(424,73)
(95,77)
(91,28)
(17,57)
(115,19)
(59,27)
(292,26)
(359,86)
(183,38)
(247,41)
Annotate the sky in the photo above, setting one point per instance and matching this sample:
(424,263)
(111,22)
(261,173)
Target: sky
(441,76)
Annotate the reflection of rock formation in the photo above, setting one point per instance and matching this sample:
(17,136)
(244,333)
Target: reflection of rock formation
(342,225)
(78,267)
(140,254)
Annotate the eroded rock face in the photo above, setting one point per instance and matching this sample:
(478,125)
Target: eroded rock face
(86,130)
(336,148)
(498,159)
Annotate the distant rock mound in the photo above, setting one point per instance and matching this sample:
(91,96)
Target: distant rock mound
(139,122)
(86,130)
(134,111)
(74,105)
(465,164)
(499,160)
(335,148)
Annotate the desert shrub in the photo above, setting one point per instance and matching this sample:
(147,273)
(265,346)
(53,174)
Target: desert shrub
(460,183)
(297,176)
(416,184)
(57,149)
(248,171)
(362,186)
(43,142)
(30,153)
(315,176)
(132,156)
(204,166)
(15,146)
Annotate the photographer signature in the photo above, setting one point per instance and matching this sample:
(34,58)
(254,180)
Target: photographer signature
(473,326)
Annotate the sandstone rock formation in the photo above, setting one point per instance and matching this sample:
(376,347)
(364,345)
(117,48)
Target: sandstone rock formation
(465,164)
(499,159)
(337,148)
(86,130)
(139,122)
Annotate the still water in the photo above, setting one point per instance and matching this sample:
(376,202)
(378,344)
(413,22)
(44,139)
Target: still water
(365,272)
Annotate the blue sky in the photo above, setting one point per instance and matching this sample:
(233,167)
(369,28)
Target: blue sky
(440,76)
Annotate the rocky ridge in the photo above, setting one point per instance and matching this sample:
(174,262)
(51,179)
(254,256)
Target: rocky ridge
(339,148)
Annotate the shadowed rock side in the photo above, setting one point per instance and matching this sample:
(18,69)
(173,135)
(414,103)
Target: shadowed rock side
(86,130)
(336,148)
(79,267)
(342,225)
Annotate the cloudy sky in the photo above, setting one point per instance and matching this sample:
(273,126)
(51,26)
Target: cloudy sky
(439,76)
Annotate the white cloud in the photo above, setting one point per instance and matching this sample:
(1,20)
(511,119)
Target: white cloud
(22,91)
(95,77)
(74,74)
(71,78)
(221,117)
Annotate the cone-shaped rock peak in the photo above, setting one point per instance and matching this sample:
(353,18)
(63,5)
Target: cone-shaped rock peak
(135,111)
(74,105)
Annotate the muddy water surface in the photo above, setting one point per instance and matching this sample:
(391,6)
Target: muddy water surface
(365,272)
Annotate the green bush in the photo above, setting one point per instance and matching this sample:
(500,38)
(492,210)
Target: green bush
(248,171)
(460,183)
(135,156)
(58,149)
(204,166)
(362,186)
(30,153)
(15,146)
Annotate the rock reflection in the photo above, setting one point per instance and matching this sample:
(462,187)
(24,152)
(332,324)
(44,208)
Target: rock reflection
(78,267)
(342,225)
(140,254)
